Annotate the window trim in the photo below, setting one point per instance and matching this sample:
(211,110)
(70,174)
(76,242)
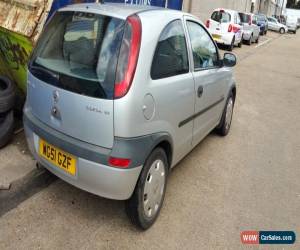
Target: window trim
(187,51)
(194,69)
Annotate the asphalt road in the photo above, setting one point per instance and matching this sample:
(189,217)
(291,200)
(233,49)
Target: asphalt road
(249,180)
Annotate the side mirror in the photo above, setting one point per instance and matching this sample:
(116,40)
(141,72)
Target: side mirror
(229,60)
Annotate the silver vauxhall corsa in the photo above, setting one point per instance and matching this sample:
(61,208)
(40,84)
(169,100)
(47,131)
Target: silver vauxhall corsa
(119,94)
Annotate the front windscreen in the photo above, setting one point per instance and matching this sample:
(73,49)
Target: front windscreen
(78,52)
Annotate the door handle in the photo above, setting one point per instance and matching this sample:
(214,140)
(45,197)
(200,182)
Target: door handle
(200,91)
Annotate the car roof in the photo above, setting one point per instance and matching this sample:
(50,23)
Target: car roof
(121,11)
(226,10)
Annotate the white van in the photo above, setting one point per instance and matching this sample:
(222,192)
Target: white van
(291,23)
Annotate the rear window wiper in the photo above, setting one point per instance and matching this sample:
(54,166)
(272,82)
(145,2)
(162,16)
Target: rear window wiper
(45,71)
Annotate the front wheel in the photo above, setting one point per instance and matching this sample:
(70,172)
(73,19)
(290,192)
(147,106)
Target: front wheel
(144,205)
(225,123)
(281,31)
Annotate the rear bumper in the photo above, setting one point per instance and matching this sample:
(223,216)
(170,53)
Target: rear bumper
(292,28)
(262,29)
(247,35)
(225,39)
(91,175)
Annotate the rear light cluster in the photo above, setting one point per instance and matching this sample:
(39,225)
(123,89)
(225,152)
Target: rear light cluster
(233,28)
(207,24)
(129,53)
(119,162)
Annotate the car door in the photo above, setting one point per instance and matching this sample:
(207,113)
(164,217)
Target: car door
(172,87)
(272,24)
(210,80)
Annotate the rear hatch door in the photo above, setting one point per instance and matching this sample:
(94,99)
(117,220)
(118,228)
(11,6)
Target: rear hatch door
(72,74)
(220,21)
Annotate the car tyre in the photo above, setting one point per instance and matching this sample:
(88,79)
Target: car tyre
(7,94)
(231,46)
(6,127)
(147,199)
(240,43)
(225,123)
(250,40)
(281,31)
(257,39)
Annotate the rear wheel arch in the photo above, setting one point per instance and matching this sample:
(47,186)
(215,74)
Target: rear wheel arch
(167,147)
(164,141)
(233,91)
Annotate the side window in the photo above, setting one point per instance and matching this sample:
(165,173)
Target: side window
(171,56)
(238,19)
(205,53)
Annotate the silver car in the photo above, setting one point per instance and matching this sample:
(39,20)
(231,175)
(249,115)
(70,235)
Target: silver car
(118,95)
(276,26)
(251,30)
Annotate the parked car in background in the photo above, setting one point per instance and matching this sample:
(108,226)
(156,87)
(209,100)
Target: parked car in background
(276,26)
(262,22)
(225,27)
(113,104)
(250,29)
(291,23)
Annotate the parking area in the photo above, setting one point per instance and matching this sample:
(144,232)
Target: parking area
(246,181)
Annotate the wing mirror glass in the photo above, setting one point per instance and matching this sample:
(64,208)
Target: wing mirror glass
(229,60)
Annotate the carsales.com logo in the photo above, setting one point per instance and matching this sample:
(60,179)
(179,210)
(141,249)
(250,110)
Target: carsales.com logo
(268,237)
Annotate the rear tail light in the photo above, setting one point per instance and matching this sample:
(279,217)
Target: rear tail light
(128,57)
(119,162)
(233,28)
(207,24)
(236,29)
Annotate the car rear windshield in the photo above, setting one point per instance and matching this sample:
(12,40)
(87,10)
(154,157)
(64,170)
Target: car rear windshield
(221,17)
(244,18)
(78,52)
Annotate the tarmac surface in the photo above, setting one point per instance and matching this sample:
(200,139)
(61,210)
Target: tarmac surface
(249,180)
